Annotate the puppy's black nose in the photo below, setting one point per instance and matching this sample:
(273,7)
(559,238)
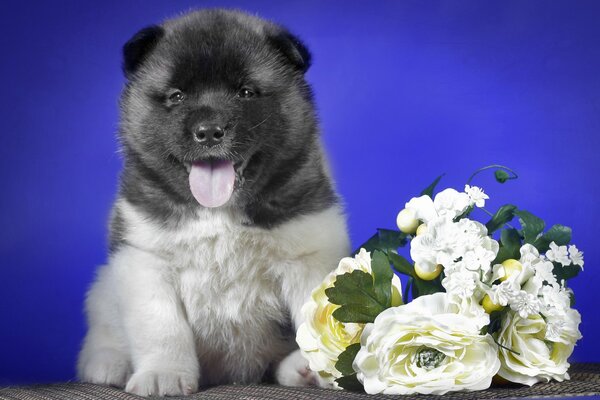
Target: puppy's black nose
(209,135)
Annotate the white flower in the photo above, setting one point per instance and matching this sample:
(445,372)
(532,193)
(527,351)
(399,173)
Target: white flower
(461,282)
(558,254)
(450,202)
(481,256)
(321,337)
(576,256)
(543,271)
(446,241)
(503,293)
(422,207)
(554,299)
(525,304)
(427,346)
(563,327)
(532,356)
(476,195)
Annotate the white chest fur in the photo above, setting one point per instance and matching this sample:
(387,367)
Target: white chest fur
(239,286)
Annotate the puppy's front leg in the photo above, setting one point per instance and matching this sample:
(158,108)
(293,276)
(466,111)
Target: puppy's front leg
(161,340)
(298,282)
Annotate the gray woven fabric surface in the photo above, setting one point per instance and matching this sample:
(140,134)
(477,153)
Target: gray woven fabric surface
(585,381)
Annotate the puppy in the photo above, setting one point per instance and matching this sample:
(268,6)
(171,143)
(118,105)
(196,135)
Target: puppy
(226,216)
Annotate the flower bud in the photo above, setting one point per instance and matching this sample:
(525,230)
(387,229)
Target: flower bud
(511,267)
(422,229)
(489,306)
(407,221)
(426,275)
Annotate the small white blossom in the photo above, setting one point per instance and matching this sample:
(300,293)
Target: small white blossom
(446,241)
(461,283)
(525,304)
(476,195)
(482,255)
(543,271)
(554,300)
(503,293)
(554,329)
(576,256)
(563,327)
(558,254)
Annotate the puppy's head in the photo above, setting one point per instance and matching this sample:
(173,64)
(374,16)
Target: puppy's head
(215,104)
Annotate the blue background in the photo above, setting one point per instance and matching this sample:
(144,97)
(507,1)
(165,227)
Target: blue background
(406,90)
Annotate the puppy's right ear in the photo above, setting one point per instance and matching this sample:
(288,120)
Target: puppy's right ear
(139,47)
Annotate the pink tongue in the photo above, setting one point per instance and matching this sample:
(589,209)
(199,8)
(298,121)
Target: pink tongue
(212,182)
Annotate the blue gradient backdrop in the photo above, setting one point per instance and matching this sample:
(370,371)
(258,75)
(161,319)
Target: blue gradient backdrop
(406,90)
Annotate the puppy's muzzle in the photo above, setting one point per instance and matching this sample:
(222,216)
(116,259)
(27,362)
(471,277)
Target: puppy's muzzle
(208,134)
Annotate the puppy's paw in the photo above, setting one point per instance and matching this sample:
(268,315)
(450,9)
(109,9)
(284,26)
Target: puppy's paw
(105,367)
(294,371)
(162,383)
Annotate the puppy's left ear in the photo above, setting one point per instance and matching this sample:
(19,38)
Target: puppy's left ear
(137,49)
(293,48)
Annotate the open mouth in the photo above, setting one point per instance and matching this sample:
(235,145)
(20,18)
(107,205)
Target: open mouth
(212,181)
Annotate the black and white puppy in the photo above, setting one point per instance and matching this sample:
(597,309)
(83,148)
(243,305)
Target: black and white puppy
(226,216)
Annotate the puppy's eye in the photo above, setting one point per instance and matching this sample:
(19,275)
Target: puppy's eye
(176,97)
(246,93)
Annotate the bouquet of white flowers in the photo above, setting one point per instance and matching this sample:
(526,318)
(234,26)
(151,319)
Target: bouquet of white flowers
(488,301)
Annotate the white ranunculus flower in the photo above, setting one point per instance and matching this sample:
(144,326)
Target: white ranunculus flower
(427,346)
(321,337)
(534,356)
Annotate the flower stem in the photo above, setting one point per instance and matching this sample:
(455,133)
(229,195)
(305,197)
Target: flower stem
(504,347)
(496,166)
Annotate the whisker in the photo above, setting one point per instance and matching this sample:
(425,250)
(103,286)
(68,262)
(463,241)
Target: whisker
(261,122)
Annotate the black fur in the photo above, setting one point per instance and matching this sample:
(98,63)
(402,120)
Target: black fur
(138,48)
(209,56)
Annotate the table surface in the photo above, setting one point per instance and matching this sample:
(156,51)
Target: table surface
(584,383)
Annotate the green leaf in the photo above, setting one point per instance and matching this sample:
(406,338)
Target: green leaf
(356,314)
(382,278)
(496,318)
(346,358)
(350,382)
(401,264)
(510,246)
(409,285)
(429,189)
(531,226)
(572,299)
(559,234)
(355,293)
(385,240)
(565,272)
(465,214)
(423,288)
(501,175)
(504,214)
